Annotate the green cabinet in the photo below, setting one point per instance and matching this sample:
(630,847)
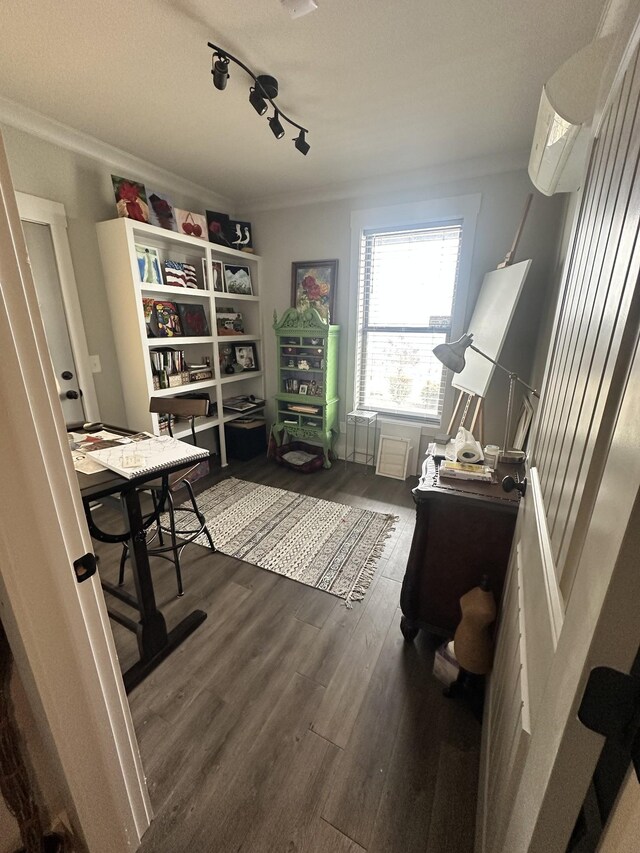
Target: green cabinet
(307,398)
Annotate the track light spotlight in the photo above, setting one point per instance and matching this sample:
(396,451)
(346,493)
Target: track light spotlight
(265,90)
(276,128)
(301,143)
(220,71)
(257,101)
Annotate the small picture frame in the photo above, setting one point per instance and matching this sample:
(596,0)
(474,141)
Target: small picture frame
(246,355)
(523,425)
(303,389)
(237,279)
(313,285)
(217,225)
(148,264)
(193,319)
(191,224)
(229,322)
(161,210)
(131,199)
(217,277)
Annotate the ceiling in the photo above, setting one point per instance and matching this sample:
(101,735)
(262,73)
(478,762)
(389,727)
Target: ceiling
(384,87)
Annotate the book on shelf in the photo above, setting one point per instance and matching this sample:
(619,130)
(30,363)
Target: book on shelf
(242,403)
(199,375)
(168,367)
(133,458)
(465,471)
(303,409)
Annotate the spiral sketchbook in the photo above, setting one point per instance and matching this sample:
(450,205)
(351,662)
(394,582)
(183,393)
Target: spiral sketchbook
(152,454)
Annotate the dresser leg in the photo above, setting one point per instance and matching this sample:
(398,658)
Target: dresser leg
(409,629)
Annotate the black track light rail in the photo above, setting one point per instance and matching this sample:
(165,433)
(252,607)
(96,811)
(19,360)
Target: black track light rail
(225,55)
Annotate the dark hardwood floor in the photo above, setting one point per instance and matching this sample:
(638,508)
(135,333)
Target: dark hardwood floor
(289,723)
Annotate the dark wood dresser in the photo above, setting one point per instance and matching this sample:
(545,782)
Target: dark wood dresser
(463,531)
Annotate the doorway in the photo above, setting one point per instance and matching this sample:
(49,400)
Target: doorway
(44,224)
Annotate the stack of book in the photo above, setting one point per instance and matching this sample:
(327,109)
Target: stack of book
(465,471)
(168,367)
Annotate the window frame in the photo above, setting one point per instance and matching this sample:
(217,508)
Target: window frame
(433,212)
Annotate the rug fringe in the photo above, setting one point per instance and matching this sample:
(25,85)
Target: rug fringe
(362,582)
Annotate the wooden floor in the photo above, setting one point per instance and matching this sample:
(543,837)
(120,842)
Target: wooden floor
(287,722)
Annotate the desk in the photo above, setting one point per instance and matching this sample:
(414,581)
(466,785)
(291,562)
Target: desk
(463,531)
(155,643)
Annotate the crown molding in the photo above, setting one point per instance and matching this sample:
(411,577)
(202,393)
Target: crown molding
(28,120)
(420,179)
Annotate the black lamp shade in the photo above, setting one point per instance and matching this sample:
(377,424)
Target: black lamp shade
(301,143)
(276,128)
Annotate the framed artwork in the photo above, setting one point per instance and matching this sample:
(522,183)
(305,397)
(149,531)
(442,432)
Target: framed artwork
(217,224)
(148,264)
(246,356)
(303,389)
(313,285)
(161,210)
(229,323)
(523,425)
(191,224)
(217,276)
(175,274)
(237,279)
(167,320)
(193,319)
(131,199)
(239,235)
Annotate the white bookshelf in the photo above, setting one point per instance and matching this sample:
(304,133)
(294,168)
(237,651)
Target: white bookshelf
(117,239)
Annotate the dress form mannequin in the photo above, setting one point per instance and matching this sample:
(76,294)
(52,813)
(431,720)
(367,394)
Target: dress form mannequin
(473,642)
(473,645)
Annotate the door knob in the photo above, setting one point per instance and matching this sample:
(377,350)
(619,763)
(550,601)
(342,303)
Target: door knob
(72,395)
(67,374)
(509,483)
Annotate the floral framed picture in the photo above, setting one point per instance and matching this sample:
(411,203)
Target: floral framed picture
(313,285)
(246,355)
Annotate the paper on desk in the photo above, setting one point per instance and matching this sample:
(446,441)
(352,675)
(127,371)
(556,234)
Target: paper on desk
(85,464)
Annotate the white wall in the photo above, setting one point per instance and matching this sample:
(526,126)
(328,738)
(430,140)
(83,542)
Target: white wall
(322,230)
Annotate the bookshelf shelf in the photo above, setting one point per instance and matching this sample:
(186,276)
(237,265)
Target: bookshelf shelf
(117,240)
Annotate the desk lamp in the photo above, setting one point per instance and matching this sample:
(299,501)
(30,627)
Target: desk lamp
(452,356)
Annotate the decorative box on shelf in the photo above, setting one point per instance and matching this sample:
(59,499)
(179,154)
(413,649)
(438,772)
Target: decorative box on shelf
(307,398)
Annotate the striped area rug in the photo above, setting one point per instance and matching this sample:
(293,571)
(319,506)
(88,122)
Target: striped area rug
(320,543)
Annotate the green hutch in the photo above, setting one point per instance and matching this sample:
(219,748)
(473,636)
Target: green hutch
(307,398)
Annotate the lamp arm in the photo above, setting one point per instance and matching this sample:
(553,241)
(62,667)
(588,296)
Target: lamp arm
(225,53)
(509,373)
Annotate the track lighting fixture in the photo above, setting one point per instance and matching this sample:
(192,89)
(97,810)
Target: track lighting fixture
(263,93)
(301,143)
(220,70)
(257,101)
(276,128)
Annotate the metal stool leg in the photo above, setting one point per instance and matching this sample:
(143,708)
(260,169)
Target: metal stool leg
(175,548)
(199,515)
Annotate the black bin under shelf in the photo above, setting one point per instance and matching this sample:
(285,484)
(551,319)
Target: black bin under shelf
(244,441)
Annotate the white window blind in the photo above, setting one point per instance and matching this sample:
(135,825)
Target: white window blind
(407,287)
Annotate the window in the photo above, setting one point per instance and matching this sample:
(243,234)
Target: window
(407,288)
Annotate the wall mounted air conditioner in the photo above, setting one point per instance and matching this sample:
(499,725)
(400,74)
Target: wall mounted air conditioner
(563,128)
